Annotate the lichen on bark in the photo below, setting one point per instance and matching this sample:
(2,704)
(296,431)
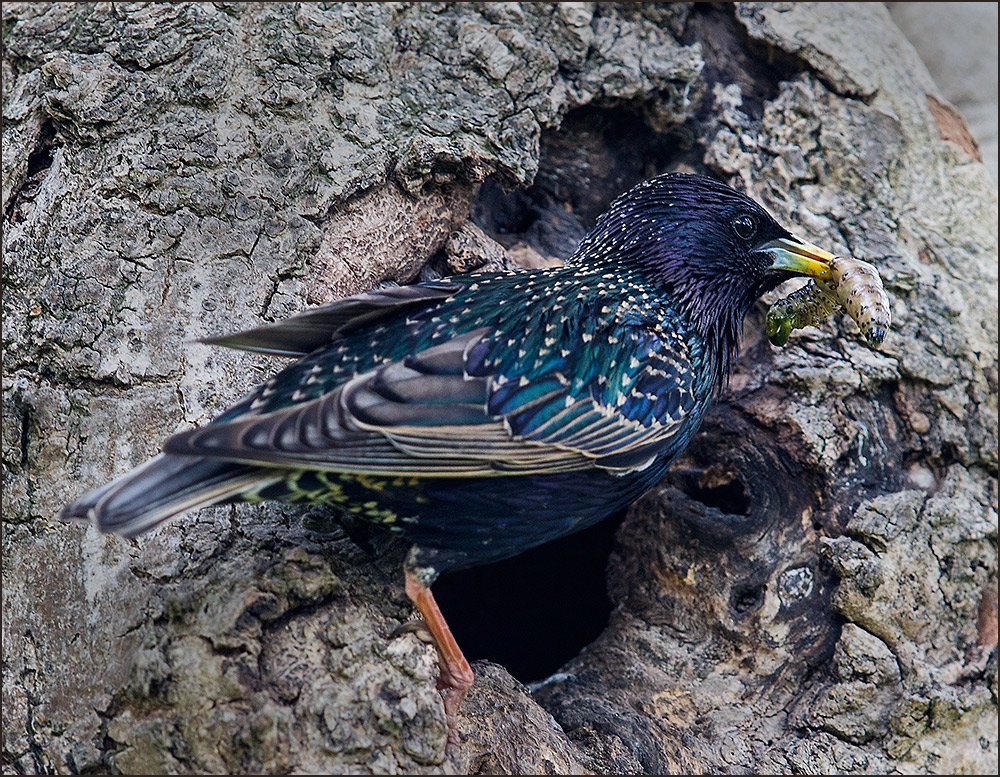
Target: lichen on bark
(812,588)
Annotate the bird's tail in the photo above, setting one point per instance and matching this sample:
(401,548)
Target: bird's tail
(163,487)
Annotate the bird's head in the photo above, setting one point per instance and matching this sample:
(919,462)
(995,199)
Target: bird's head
(711,250)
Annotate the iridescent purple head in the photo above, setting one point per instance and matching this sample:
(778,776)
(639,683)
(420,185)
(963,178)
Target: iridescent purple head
(710,250)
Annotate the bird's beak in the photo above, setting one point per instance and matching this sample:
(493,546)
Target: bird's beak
(795,256)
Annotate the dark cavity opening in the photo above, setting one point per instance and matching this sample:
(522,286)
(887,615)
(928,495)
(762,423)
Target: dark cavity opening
(40,159)
(729,497)
(745,600)
(39,162)
(714,487)
(597,154)
(536,611)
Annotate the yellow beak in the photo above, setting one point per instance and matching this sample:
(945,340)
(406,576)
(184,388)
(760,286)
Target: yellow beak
(798,257)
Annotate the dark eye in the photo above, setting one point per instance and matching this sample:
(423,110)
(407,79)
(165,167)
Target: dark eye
(745,226)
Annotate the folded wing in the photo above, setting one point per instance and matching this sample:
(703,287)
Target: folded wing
(466,409)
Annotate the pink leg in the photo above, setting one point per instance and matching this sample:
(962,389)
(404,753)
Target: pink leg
(456,674)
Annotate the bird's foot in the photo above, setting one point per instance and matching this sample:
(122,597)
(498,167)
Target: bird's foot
(418,627)
(456,675)
(452,701)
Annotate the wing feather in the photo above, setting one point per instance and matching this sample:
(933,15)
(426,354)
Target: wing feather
(427,416)
(304,332)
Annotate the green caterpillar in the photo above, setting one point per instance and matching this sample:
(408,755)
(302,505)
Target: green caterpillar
(853,284)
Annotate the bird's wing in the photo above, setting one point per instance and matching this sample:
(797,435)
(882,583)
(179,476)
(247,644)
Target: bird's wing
(468,408)
(304,332)
(615,393)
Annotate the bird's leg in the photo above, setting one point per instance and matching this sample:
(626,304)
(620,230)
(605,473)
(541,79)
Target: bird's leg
(456,674)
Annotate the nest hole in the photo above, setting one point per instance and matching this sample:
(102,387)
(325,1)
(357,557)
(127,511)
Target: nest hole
(536,611)
(596,154)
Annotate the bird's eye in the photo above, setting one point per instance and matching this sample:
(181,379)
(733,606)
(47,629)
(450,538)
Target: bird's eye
(745,226)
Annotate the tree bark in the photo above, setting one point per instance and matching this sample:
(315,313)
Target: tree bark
(812,587)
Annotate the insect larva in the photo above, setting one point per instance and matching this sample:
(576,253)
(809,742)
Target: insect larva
(860,291)
(806,306)
(853,284)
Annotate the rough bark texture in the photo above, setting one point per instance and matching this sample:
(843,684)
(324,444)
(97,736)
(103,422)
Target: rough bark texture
(812,588)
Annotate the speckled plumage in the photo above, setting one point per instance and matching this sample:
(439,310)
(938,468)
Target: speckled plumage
(486,413)
(589,385)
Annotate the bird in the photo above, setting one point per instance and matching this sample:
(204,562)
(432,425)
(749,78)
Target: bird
(484,414)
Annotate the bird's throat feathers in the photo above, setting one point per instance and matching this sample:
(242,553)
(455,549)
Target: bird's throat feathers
(715,309)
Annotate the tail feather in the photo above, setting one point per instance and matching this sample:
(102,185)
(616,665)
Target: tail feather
(163,487)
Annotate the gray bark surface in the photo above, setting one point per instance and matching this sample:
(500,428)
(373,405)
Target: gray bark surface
(812,587)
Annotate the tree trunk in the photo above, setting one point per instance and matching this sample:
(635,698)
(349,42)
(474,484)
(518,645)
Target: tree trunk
(811,588)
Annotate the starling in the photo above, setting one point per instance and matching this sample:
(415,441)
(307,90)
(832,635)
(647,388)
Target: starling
(488,413)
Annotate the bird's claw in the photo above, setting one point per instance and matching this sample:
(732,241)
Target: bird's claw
(454,687)
(418,627)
